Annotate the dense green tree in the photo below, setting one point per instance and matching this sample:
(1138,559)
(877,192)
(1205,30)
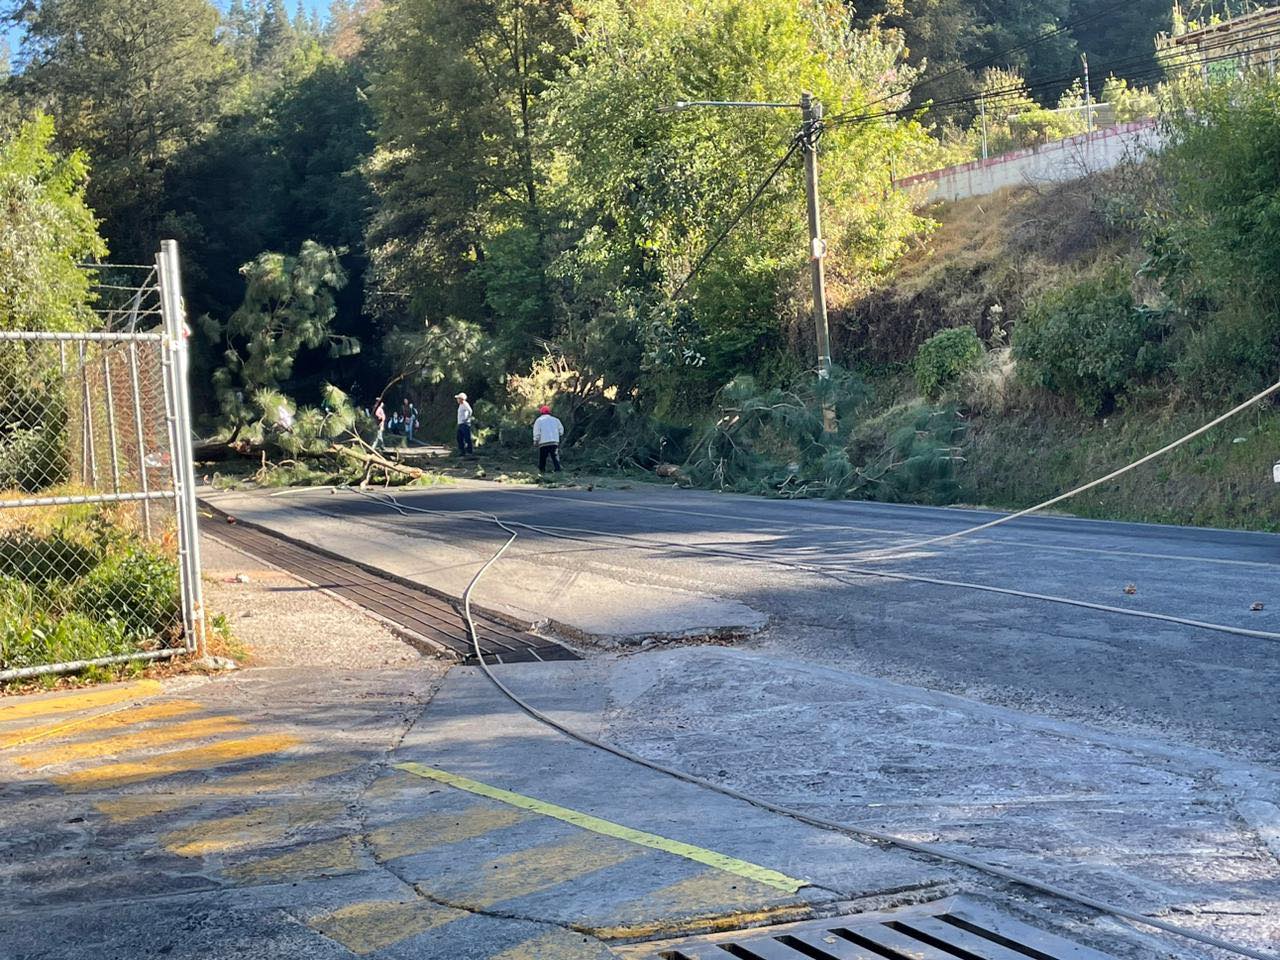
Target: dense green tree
(1214,239)
(281,169)
(45,229)
(462,163)
(646,192)
(131,82)
(1120,37)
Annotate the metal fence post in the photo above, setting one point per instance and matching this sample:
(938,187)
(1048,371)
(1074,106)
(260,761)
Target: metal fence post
(172,309)
(113,447)
(139,433)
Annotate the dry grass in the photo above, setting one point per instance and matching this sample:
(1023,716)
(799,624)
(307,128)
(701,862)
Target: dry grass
(996,251)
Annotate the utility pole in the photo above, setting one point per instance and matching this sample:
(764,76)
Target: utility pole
(1088,97)
(982,109)
(810,132)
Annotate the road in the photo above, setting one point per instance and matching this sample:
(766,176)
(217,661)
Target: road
(814,574)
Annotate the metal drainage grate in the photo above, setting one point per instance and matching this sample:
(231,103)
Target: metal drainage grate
(952,929)
(415,610)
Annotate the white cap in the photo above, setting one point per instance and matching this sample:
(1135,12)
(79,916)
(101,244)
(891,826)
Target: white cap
(459,396)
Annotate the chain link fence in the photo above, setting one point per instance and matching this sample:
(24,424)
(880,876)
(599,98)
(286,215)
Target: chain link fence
(99,561)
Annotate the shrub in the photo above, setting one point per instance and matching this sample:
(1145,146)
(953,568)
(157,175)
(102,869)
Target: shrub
(42,558)
(137,588)
(38,638)
(1236,353)
(1089,341)
(944,358)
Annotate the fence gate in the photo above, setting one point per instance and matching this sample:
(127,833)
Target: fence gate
(99,548)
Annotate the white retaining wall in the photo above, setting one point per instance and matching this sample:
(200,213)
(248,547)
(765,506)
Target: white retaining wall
(1055,162)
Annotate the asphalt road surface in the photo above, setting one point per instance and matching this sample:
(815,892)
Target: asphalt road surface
(816,571)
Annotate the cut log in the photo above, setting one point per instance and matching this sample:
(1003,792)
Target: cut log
(218,450)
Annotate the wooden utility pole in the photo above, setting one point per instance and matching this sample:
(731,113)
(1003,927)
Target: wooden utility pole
(809,134)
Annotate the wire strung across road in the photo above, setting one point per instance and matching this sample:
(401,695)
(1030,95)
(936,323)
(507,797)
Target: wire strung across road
(1256,398)
(873,836)
(511,528)
(589,535)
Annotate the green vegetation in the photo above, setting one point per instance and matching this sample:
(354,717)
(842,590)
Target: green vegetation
(1089,341)
(75,585)
(414,197)
(945,358)
(47,227)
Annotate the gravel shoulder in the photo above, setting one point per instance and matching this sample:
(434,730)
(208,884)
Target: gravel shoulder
(285,622)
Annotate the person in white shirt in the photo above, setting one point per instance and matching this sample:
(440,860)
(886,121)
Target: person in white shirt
(380,415)
(547,432)
(466,445)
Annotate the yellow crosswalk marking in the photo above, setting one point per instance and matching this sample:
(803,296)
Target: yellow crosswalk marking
(710,900)
(421,833)
(260,827)
(178,761)
(120,717)
(710,858)
(535,869)
(325,858)
(373,924)
(557,945)
(286,775)
(127,742)
(25,708)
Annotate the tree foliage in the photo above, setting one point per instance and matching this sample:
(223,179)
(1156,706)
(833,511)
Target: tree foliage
(46,228)
(130,82)
(463,162)
(289,306)
(1214,240)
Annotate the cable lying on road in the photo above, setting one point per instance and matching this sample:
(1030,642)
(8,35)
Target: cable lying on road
(587,535)
(863,833)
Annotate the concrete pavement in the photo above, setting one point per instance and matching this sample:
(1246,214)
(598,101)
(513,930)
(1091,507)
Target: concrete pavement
(285,813)
(347,810)
(1138,676)
(323,814)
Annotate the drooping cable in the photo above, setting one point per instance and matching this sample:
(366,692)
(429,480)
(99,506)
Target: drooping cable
(737,218)
(863,833)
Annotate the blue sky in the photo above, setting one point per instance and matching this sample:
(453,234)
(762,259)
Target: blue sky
(12,37)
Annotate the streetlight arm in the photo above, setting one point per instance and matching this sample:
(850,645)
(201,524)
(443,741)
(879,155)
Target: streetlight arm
(686,104)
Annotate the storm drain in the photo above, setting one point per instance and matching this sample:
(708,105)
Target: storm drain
(952,929)
(423,614)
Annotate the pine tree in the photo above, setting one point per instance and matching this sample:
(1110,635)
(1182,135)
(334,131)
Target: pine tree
(240,28)
(275,36)
(289,306)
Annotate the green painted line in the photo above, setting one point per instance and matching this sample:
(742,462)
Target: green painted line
(710,858)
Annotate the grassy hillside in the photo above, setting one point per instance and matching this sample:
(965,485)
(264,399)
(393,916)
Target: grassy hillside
(986,261)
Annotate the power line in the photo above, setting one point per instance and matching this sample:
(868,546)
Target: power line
(1169,59)
(974,65)
(755,196)
(1162,59)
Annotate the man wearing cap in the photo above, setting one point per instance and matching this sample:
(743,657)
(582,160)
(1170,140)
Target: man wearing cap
(547,431)
(466,446)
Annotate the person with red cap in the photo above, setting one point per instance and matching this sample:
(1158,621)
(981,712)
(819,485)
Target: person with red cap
(547,432)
